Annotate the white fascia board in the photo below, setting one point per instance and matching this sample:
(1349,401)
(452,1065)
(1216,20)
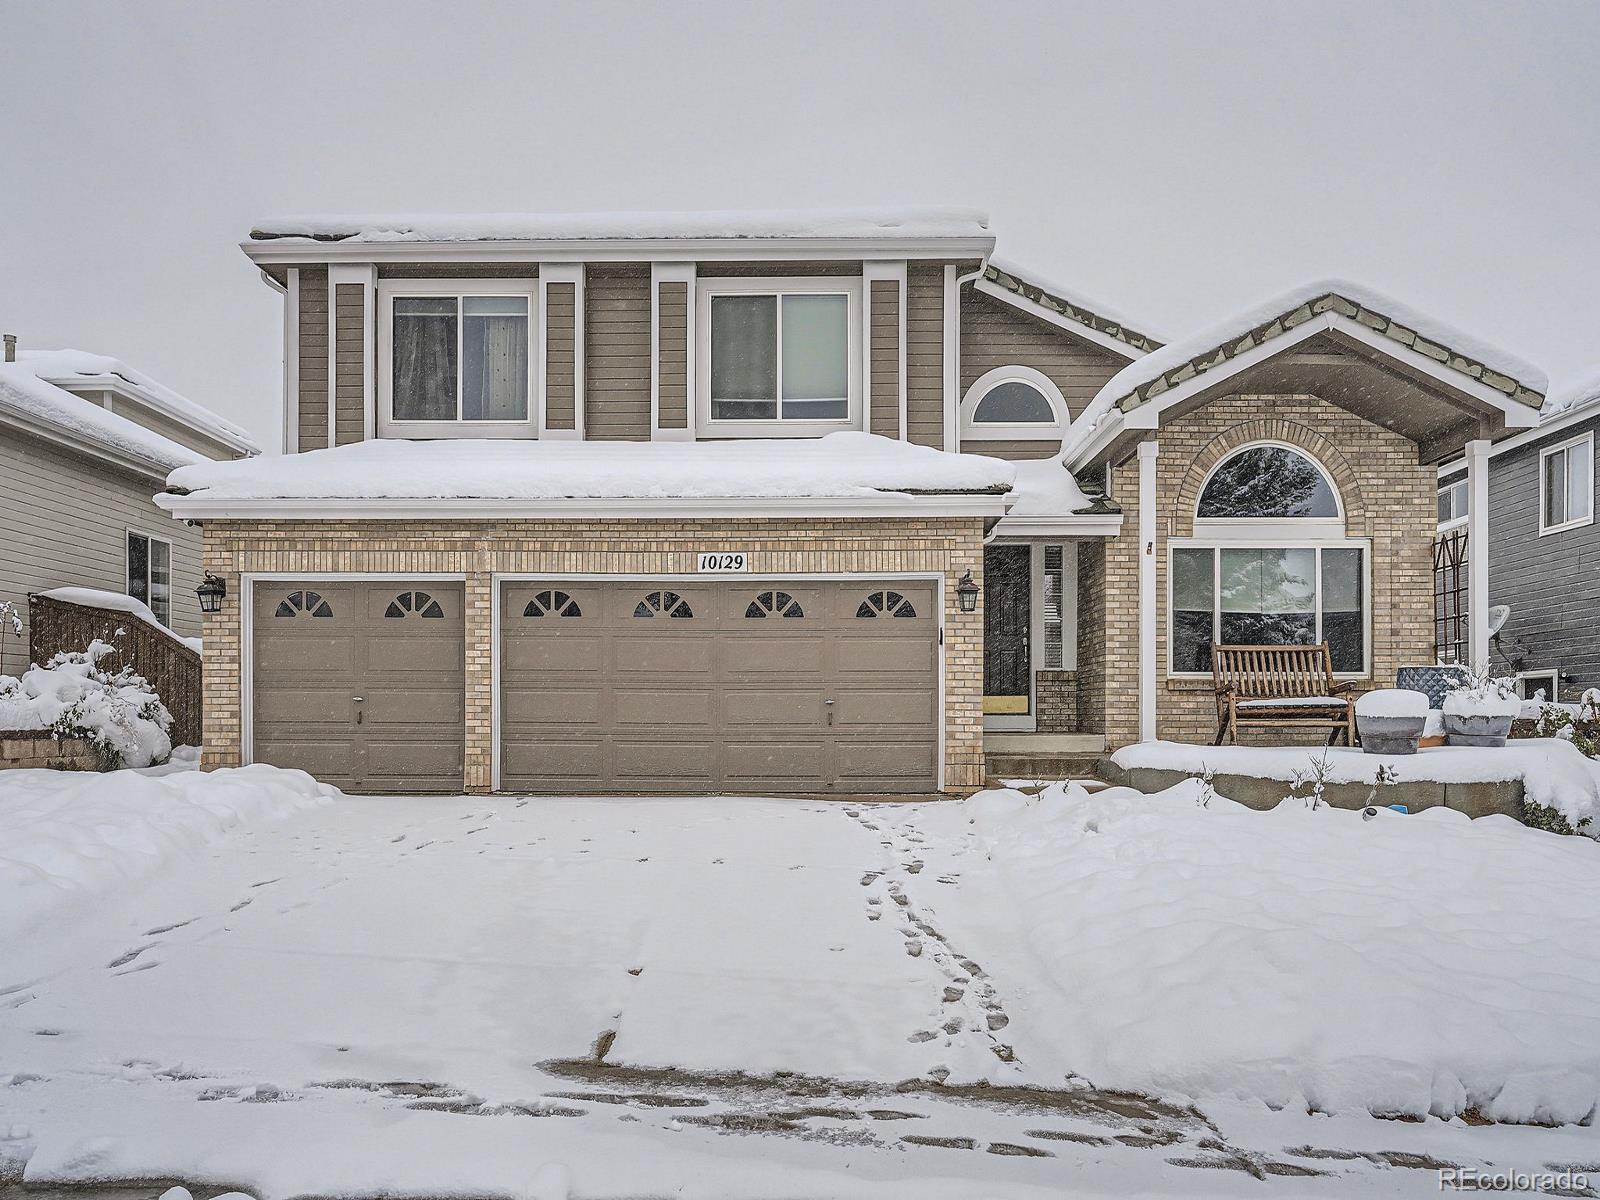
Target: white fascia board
(1103,525)
(299,251)
(57,436)
(127,390)
(1049,315)
(199,506)
(1556,424)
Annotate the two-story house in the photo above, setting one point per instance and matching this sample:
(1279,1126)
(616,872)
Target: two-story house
(84,441)
(793,502)
(1543,545)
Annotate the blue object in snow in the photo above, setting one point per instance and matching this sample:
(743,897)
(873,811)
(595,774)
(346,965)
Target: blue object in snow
(1400,808)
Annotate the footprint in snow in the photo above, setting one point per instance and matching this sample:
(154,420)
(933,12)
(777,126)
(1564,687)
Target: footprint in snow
(264,882)
(148,965)
(245,903)
(127,958)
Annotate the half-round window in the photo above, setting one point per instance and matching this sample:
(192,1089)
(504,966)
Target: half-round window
(413,604)
(886,604)
(1267,481)
(663,604)
(1014,403)
(774,604)
(303,604)
(552,604)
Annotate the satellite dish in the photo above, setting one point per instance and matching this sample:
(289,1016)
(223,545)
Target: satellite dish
(1499,614)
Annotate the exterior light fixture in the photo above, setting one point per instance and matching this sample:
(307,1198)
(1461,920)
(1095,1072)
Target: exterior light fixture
(967,593)
(211,591)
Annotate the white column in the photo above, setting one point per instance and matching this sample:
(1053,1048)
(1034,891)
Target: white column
(1147,590)
(1478,554)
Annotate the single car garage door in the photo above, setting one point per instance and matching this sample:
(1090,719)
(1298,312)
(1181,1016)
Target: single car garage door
(361,684)
(754,686)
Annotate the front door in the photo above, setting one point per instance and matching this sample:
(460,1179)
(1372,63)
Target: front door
(1007,615)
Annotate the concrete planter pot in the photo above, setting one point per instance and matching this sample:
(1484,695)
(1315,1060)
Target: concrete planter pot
(1390,735)
(1474,729)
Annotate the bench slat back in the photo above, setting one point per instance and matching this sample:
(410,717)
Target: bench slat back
(1273,672)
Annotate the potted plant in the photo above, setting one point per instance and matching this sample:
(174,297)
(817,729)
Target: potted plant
(1480,713)
(1391,720)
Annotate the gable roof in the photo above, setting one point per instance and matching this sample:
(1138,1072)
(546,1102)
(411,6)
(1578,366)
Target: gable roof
(1058,305)
(1490,375)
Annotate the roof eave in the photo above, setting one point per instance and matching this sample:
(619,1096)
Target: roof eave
(129,390)
(149,468)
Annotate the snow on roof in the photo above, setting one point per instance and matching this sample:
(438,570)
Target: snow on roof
(80,369)
(877,224)
(839,465)
(1260,323)
(24,394)
(117,602)
(1575,393)
(1045,488)
(1029,284)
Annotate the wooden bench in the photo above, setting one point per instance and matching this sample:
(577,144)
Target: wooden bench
(1281,687)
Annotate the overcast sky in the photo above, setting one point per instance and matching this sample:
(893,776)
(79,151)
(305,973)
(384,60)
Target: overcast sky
(1177,161)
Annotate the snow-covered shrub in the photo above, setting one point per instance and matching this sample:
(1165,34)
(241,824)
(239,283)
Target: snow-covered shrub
(74,696)
(10,624)
(1484,696)
(1580,727)
(1539,816)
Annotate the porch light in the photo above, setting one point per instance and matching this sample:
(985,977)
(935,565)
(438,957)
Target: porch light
(211,591)
(967,593)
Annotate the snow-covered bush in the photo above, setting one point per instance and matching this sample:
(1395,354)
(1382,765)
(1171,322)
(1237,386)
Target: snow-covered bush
(1484,696)
(10,624)
(74,696)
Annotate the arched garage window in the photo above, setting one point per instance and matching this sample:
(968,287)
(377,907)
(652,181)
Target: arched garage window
(1269,564)
(1013,402)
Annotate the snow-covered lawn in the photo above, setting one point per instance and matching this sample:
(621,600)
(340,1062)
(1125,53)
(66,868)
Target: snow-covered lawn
(726,997)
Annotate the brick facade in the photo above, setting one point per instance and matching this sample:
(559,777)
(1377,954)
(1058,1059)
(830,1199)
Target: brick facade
(1055,695)
(481,549)
(1388,497)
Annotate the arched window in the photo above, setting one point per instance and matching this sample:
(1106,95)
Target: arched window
(552,604)
(1013,402)
(1269,564)
(1267,482)
(886,604)
(303,604)
(659,604)
(409,604)
(774,604)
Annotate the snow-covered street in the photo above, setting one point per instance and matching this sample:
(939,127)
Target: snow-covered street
(726,997)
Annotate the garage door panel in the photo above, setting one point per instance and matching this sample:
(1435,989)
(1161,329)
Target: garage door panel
(801,654)
(300,706)
(415,656)
(791,764)
(556,650)
(888,759)
(878,656)
(663,654)
(418,706)
(427,758)
(573,707)
(776,709)
(302,655)
(880,707)
(559,761)
(653,706)
(329,761)
(661,761)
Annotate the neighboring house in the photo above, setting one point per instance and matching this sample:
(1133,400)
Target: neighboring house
(682,567)
(84,442)
(1544,545)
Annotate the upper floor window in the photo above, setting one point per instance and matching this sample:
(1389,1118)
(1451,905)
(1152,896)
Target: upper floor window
(455,357)
(150,573)
(1013,402)
(1452,504)
(784,352)
(1267,482)
(1566,485)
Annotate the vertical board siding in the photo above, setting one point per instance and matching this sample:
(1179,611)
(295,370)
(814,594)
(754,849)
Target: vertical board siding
(1549,582)
(993,334)
(883,355)
(560,390)
(312,419)
(66,526)
(350,364)
(672,333)
(925,354)
(616,341)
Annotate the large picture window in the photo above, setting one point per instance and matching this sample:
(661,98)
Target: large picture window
(1566,485)
(150,574)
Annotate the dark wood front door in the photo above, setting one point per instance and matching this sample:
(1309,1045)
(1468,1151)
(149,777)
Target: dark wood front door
(1007,615)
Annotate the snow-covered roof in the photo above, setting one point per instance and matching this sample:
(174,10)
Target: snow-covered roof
(1090,313)
(56,412)
(841,466)
(79,369)
(1577,392)
(864,223)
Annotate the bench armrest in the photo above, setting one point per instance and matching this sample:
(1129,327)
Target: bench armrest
(1338,689)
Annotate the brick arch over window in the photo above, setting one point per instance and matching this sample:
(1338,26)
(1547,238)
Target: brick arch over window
(1268,429)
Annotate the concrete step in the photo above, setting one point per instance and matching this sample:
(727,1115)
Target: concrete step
(1040,766)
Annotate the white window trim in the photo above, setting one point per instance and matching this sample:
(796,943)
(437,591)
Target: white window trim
(388,427)
(1315,528)
(848,286)
(1288,539)
(1553,674)
(995,431)
(131,531)
(1451,485)
(1587,441)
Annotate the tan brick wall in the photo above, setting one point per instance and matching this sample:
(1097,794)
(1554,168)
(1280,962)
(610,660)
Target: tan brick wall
(480,549)
(1389,498)
(1056,695)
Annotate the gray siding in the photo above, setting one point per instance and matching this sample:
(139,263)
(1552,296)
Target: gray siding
(312,419)
(350,364)
(672,307)
(560,394)
(66,526)
(925,354)
(994,334)
(1551,582)
(883,360)
(616,344)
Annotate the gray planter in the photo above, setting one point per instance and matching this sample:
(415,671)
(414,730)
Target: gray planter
(1390,735)
(1475,730)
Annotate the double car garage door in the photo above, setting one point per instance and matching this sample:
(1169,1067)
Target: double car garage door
(609,686)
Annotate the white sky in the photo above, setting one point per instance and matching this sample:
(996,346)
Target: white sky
(1177,160)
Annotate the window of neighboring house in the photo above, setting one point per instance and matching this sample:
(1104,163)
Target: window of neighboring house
(783,354)
(456,358)
(1538,685)
(1013,402)
(150,574)
(1566,485)
(1268,565)
(1452,504)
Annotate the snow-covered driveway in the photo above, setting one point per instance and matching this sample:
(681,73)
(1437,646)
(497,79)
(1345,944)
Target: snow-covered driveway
(707,997)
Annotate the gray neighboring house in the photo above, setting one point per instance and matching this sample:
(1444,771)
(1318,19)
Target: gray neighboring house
(1544,545)
(85,442)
